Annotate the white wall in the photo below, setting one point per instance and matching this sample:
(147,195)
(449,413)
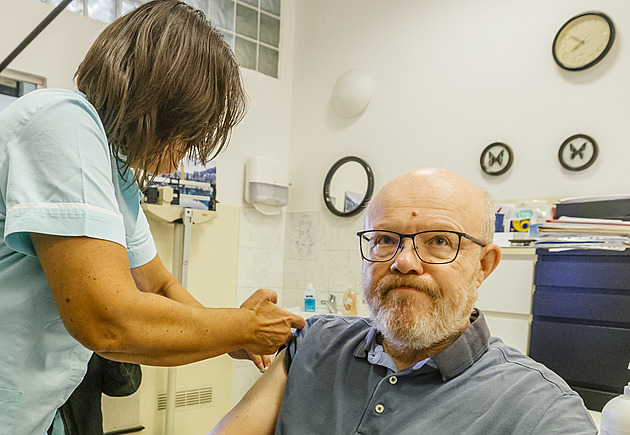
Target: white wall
(450,77)
(56,53)
(265,129)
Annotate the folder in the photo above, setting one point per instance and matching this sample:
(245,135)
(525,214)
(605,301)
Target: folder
(596,209)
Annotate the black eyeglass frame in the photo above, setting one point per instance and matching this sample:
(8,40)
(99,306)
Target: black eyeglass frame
(413,241)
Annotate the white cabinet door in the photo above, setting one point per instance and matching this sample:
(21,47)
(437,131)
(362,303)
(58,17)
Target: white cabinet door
(509,288)
(506,299)
(513,331)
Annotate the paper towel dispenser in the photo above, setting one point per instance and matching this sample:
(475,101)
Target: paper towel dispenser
(267,184)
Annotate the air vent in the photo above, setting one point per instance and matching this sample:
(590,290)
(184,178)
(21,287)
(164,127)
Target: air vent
(198,396)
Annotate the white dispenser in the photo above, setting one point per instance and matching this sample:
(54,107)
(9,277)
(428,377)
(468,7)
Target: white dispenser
(267,184)
(616,414)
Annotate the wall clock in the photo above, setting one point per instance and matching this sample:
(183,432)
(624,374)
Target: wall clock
(578,152)
(496,158)
(583,41)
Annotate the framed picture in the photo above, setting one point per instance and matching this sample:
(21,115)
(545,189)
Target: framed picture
(196,189)
(496,158)
(578,152)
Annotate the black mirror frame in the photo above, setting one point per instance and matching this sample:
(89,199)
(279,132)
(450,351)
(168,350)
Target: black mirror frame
(368,192)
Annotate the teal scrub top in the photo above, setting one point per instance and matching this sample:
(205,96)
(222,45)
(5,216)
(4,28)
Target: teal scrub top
(58,177)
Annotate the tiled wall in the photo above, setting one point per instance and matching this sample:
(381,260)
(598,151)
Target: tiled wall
(261,252)
(283,252)
(260,265)
(324,249)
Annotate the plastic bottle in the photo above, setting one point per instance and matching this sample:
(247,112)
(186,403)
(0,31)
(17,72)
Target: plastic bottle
(349,303)
(616,414)
(309,298)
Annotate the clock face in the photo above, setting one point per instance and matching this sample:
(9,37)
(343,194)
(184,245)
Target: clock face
(496,158)
(578,152)
(583,41)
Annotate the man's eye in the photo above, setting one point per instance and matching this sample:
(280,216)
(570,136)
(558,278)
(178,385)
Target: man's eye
(384,240)
(440,241)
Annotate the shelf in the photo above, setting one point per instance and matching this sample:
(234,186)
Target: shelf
(170,213)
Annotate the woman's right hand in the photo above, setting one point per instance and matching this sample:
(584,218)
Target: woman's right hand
(271,325)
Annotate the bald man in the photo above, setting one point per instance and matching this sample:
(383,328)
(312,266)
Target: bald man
(424,362)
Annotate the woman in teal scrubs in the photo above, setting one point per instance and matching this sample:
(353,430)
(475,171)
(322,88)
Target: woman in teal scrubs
(79,271)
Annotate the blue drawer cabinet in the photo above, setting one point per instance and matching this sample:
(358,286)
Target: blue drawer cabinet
(581,320)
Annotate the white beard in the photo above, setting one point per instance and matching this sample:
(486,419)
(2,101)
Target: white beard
(404,325)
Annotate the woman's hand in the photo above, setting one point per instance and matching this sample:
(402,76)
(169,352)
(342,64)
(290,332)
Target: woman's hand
(260,361)
(270,324)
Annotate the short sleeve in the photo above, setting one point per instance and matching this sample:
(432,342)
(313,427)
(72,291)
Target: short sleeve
(58,176)
(295,342)
(139,241)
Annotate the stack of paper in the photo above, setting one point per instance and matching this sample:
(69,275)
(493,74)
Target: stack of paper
(582,233)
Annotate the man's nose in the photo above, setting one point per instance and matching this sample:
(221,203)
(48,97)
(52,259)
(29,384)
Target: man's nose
(406,260)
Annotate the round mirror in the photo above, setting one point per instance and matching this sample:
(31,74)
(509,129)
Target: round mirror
(348,186)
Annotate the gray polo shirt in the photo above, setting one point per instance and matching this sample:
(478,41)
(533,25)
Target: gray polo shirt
(338,384)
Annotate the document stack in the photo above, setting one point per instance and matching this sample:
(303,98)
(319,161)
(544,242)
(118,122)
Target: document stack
(601,222)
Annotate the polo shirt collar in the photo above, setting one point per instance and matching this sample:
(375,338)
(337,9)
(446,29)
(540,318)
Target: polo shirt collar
(456,358)
(466,350)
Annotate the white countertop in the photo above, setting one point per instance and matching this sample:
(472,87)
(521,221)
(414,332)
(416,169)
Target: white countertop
(597,418)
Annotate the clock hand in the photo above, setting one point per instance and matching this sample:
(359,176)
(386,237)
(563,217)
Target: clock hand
(577,39)
(578,45)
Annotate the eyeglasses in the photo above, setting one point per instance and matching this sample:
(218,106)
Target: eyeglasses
(432,247)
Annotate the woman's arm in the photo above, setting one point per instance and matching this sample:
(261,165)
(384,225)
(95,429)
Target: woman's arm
(153,277)
(100,305)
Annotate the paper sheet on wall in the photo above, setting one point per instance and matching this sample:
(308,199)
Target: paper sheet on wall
(304,236)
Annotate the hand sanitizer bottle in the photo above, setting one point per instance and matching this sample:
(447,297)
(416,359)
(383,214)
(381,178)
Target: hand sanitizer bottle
(349,303)
(616,414)
(309,298)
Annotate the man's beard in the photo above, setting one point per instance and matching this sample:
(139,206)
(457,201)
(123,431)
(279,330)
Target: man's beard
(407,326)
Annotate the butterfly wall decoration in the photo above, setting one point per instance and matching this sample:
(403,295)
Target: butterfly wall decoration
(578,152)
(496,158)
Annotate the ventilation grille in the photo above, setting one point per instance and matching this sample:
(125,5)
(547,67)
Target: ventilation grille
(198,396)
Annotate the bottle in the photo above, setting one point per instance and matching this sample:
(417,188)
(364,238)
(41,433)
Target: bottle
(616,414)
(349,303)
(309,298)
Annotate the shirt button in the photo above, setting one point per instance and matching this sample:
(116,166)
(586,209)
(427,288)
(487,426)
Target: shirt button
(393,380)
(379,408)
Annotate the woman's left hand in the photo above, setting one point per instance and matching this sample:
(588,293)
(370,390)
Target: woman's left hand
(261,361)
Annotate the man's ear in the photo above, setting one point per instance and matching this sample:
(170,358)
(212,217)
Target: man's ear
(489,261)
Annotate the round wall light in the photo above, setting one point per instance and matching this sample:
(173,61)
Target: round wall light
(352,93)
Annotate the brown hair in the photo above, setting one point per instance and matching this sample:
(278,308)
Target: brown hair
(163,80)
